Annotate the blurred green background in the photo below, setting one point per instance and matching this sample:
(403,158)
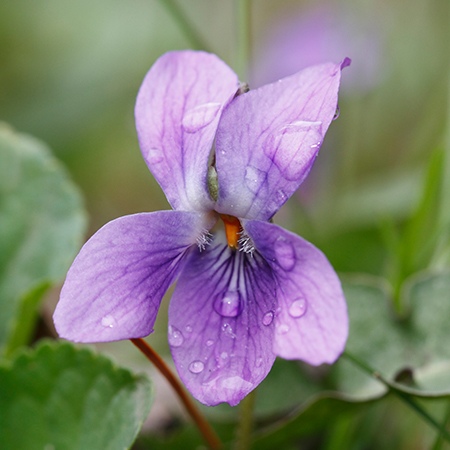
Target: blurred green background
(70,72)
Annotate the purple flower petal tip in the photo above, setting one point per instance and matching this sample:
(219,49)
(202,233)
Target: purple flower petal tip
(115,285)
(268,139)
(346,62)
(220,344)
(312,321)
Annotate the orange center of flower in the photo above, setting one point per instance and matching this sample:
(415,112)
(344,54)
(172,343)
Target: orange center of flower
(233,229)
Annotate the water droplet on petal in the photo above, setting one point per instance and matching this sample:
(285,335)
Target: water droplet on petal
(259,362)
(224,355)
(282,328)
(285,254)
(336,114)
(235,383)
(175,337)
(229,305)
(290,148)
(199,117)
(281,196)
(109,321)
(298,308)
(154,155)
(196,366)
(228,330)
(209,342)
(267,318)
(254,178)
(188,328)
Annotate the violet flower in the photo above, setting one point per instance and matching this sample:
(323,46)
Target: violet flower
(247,290)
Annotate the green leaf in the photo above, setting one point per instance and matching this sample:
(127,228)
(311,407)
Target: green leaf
(61,397)
(41,228)
(422,231)
(413,351)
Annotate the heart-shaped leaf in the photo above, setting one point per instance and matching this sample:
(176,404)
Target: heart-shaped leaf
(412,351)
(64,398)
(41,228)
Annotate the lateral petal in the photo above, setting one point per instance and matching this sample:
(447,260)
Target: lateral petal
(177,111)
(311,322)
(221,324)
(115,285)
(268,139)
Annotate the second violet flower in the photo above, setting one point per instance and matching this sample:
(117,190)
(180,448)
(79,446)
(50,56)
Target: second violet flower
(247,290)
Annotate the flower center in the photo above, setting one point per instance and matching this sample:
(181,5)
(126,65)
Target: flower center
(233,230)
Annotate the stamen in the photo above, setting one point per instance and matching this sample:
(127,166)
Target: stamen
(204,240)
(245,243)
(233,229)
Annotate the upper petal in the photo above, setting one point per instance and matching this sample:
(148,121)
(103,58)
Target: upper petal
(221,324)
(115,285)
(177,111)
(312,321)
(268,138)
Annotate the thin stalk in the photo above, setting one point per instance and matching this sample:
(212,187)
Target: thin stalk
(245,426)
(439,441)
(402,395)
(189,30)
(208,433)
(445,213)
(243,40)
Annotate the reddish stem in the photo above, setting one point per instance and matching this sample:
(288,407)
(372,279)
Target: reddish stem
(205,428)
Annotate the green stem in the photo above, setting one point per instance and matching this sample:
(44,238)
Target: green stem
(445,212)
(244,41)
(402,395)
(189,30)
(439,441)
(205,429)
(245,426)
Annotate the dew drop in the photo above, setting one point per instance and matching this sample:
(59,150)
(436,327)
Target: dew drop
(259,362)
(285,254)
(175,337)
(199,117)
(196,366)
(254,178)
(281,196)
(337,112)
(229,305)
(188,328)
(235,383)
(290,148)
(298,308)
(209,342)
(109,321)
(228,330)
(224,355)
(154,155)
(267,318)
(282,329)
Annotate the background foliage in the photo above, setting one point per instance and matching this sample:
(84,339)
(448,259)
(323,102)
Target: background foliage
(376,202)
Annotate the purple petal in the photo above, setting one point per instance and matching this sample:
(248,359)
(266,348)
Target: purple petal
(221,324)
(311,322)
(116,283)
(268,138)
(177,111)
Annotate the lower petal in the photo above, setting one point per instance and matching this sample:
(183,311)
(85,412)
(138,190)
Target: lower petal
(115,285)
(221,323)
(311,322)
